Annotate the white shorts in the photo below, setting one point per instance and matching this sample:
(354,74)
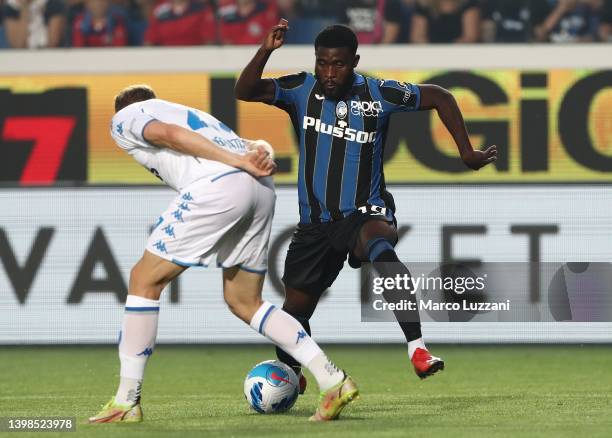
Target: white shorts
(229,216)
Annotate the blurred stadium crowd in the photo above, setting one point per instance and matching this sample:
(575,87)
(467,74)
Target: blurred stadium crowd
(39,24)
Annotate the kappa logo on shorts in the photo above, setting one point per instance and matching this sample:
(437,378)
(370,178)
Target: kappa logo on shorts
(169,230)
(178,215)
(161,246)
(187,197)
(184,206)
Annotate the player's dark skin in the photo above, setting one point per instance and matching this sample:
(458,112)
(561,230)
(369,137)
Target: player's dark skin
(334,70)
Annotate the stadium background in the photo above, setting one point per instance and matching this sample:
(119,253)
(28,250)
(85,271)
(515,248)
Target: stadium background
(77,209)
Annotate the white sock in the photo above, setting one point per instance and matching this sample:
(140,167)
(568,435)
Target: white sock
(413,345)
(327,374)
(136,342)
(128,392)
(286,332)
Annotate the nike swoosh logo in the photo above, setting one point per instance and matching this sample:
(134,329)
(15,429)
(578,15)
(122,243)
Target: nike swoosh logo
(106,419)
(277,377)
(319,97)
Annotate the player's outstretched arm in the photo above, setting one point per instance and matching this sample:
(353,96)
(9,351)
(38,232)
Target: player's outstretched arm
(250,86)
(440,99)
(257,161)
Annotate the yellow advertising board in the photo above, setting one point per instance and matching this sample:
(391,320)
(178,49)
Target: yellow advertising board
(550,126)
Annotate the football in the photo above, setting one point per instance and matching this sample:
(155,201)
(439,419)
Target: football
(271,387)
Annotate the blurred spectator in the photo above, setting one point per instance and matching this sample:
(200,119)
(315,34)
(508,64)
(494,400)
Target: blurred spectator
(319,8)
(305,22)
(511,21)
(142,7)
(181,23)
(34,24)
(246,21)
(605,25)
(446,21)
(374,21)
(398,17)
(99,26)
(136,14)
(567,21)
(3,41)
(74,8)
(289,9)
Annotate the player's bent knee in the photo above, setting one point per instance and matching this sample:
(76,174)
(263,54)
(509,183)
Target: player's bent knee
(242,292)
(243,309)
(142,286)
(373,229)
(370,232)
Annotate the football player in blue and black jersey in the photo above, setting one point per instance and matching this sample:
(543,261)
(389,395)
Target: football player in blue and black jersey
(341,119)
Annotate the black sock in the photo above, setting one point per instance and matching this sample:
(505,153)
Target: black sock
(287,358)
(388,264)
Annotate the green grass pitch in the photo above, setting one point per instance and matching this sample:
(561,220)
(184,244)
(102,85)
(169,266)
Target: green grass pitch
(196,391)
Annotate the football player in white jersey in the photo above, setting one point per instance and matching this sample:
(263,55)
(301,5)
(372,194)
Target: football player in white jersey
(223,210)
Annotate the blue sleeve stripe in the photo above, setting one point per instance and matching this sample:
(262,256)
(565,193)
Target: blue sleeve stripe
(254,271)
(142,309)
(143,129)
(263,320)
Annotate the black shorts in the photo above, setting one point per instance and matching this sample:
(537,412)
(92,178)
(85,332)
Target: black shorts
(317,252)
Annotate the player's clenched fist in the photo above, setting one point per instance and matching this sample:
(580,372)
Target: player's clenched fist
(276,37)
(258,162)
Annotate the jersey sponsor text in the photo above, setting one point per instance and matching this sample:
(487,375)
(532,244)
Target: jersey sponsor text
(341,131)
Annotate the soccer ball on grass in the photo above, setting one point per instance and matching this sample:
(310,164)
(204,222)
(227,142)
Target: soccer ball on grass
(271,387)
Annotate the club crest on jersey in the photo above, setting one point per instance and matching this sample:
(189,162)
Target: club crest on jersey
(341,110)
(366,108)
(341,131)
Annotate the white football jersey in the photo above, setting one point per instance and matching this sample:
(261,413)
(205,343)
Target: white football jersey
(174,168)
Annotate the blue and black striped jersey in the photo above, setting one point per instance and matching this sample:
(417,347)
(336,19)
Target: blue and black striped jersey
(341,142)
